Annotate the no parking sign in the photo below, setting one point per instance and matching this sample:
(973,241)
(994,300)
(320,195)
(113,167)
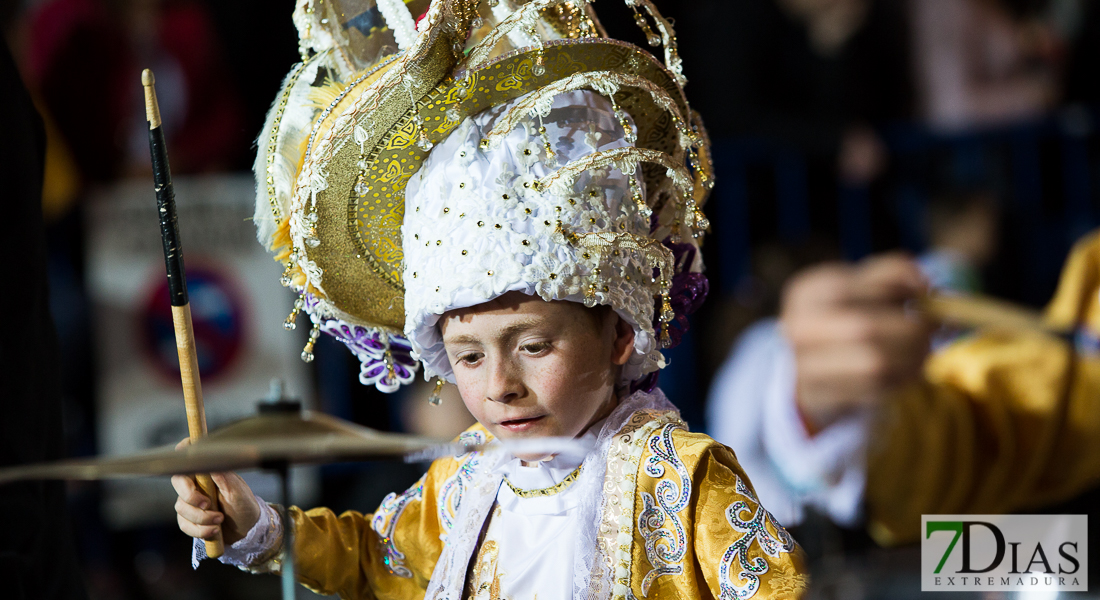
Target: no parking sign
(218,318)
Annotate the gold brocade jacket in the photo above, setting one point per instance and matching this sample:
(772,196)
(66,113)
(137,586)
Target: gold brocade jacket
(1004,422)
(677,519)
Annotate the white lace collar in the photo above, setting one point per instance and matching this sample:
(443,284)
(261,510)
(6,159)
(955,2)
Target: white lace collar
(541,475)
(449,575)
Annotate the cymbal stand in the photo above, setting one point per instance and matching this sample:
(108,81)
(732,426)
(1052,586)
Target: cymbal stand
(288,576)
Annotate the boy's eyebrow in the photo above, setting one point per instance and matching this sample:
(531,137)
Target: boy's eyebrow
(507,333)
(519,327)
(462,339)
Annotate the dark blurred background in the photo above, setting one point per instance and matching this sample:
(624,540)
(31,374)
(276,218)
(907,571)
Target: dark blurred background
(840,128)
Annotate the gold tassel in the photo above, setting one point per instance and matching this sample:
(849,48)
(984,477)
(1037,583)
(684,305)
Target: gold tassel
(435,399)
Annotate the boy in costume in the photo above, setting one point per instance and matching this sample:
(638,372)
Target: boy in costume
(513,201)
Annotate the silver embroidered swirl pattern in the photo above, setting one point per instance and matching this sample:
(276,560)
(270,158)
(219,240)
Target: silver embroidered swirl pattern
(753,529)
(454,487)
(384,522)
(659,522)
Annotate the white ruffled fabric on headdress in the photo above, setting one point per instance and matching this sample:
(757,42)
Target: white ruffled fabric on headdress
(475,228)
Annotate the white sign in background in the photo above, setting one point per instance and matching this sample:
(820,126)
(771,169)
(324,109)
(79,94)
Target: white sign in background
(139,401)
(967,553)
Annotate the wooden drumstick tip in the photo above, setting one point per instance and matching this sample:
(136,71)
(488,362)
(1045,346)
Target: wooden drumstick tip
(152,109)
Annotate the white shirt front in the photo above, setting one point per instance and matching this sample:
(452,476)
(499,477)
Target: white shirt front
(527,550)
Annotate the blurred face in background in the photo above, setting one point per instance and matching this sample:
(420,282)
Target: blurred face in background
(829,23)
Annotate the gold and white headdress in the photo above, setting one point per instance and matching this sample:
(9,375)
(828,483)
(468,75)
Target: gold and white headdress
(490,147)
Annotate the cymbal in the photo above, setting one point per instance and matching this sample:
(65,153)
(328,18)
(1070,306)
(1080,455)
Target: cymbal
(254,442)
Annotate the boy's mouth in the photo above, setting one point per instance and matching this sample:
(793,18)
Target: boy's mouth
(518,425)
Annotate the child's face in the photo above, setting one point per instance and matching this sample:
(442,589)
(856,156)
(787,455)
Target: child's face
(530,368)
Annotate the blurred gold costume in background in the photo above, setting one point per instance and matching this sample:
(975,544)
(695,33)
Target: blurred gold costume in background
(1004,422)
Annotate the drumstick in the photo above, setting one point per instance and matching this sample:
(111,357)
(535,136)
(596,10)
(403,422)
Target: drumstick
(983,312)
(177,287)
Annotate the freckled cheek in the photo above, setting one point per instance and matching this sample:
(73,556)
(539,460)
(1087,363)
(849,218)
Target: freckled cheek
(471,389)
(541,377)
(555,385)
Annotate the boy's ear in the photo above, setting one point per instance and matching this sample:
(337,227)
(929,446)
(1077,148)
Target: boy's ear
(623,345)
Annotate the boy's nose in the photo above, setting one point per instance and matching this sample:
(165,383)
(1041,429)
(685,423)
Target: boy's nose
(505,384)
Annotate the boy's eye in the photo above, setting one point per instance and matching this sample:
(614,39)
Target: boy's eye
(470,358)
(536,347)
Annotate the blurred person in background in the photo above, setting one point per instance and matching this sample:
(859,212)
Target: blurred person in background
(838,408)
(96,46)
(844,344)
(843,339)
(37,558)
(963,238)
(810,75)
(793,106)
(979,63)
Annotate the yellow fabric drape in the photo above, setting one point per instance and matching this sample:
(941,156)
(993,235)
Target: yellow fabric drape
(345,556)
(1003,422)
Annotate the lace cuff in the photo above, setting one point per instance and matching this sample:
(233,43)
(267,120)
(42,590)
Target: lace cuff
(258,551)
(826,470)
(752,408)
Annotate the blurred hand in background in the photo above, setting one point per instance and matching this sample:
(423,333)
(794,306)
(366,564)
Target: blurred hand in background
(852,337)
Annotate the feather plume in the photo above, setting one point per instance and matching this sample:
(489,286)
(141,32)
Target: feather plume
(279,147)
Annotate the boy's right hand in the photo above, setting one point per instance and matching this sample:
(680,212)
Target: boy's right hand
(239,513)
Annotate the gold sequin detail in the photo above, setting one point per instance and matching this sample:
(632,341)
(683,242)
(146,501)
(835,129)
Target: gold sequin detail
(550,491)
(484,582)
